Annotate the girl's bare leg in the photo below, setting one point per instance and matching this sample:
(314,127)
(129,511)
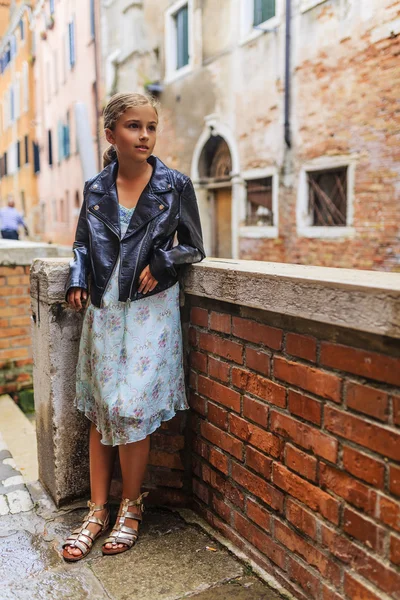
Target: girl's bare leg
(133,459)
(101,459)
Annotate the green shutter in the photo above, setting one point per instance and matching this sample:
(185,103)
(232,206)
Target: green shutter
(263,10)
(182,37)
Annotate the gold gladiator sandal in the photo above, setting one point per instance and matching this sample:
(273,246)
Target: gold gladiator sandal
(121,534)
(82,538)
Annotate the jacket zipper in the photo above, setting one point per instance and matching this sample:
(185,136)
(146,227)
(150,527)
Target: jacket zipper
(137,262)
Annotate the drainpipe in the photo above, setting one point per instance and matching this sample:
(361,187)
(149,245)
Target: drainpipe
(96,85)
(288,136)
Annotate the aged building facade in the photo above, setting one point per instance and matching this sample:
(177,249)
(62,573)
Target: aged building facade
(66,86)
(18,147)
(290,132)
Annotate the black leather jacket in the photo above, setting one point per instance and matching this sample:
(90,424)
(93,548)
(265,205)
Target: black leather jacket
(167,206)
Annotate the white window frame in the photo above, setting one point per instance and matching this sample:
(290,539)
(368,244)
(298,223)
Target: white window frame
(262,231)
(171,72)
(247,31)
(322,163)
(306,5)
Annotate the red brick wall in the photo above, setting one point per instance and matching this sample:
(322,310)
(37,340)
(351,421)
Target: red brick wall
(296,448)
(15,329)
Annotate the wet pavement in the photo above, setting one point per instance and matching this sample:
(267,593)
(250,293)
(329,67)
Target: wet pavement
(14,495)
(172,560)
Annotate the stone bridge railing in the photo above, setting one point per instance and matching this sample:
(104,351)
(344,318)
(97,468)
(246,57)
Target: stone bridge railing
(292,445)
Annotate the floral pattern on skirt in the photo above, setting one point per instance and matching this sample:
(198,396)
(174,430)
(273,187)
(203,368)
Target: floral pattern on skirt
(130,372)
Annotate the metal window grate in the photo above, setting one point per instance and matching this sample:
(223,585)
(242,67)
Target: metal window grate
(259,202)
(327,194)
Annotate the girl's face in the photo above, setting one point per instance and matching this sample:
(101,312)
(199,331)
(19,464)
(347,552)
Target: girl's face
(135,132)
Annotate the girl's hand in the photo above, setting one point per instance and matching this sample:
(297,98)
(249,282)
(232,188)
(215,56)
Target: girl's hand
(147,281)
(76,297)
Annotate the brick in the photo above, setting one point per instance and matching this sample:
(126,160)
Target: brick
(306,492)
(305,407)
(359,362)
(6,271)
(170,443)
(21,342)
(370,435)
(11,291)
(221,508)
(257,333)
(258,361)
(255,411)
(368,400)
(305,436)
(198,403)
(302,463)
(258,514)
(218,460)
(218,369)
(21,321)
(200,447)
(364,530)
(251,434)
(364,467)
(15,353)
(18,280)
(223,486)
(259,386)
(302,346)
(308,378)
(311,554)
(362,562)
(199,316)
(193,335)
(304,577)
(394,480)
(13,311)
(222,439)
(395,549)
(201,491)
(257,486)
(193,380)
(220,322)
(301,518)
(329,594)
(18,301)
(198,361)
(217,415)
(14,332)
(225,348)
(160,458)
(396,410)
(5,343)
(355,492)
(219,393)
(356,590)
(260,540)
(389,512)
(258,462)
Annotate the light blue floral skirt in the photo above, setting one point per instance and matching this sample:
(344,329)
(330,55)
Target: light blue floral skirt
(130,372)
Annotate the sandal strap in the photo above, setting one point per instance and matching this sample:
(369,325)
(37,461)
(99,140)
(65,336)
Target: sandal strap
(129,515)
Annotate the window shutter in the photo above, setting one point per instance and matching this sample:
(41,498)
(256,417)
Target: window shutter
(182,37)
(26,149)
(21,29)
(18,154)
(92,17)
(71,33)
(50,146)
(60,141)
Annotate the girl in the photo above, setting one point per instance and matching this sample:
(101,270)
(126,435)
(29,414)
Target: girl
(129,373)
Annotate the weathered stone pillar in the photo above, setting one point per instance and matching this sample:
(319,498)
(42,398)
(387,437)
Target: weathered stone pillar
(62,432)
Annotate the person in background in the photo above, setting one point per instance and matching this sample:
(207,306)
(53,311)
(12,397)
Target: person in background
(10,220)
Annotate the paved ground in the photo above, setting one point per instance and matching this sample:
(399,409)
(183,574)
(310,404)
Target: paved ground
(173,559)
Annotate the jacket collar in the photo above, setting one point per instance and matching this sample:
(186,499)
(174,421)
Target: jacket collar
(103,199)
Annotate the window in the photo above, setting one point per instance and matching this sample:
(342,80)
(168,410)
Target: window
(327,204)
(261,203)
(18,154)
(5,169)
(36,158)
(92,19)
(67,140)
(22,30)
(325,197)
(26,140)
(64,147)
(178,39)
(13,47)
(50,147)
(51,2)
(263,10)
(71,38)
(258,17)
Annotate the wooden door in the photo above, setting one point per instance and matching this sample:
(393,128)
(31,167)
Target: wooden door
(223,222)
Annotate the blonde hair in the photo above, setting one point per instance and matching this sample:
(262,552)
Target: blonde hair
(116,107)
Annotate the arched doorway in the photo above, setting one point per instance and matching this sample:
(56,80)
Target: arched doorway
(215,169)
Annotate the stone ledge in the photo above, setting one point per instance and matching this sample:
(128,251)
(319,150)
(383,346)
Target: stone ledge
(24,252)
(362,300)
